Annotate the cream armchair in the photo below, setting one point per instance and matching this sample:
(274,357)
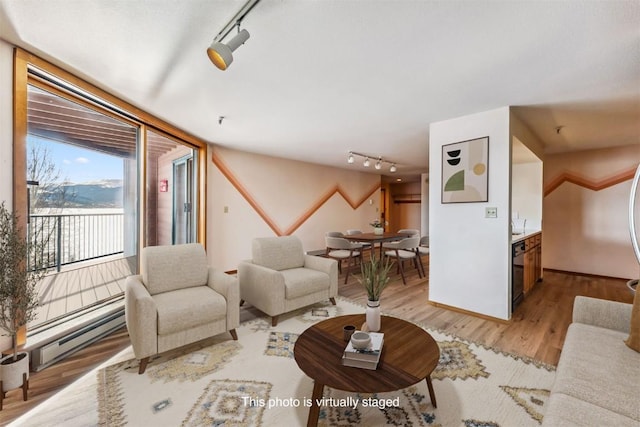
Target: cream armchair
(178,300)
(281,277)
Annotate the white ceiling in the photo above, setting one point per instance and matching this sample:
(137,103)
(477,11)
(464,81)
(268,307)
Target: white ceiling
(318,78)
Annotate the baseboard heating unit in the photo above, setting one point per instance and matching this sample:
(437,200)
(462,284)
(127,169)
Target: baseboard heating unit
(54,351)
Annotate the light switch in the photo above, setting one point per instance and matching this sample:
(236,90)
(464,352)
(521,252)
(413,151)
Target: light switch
(491,212)
(226,209)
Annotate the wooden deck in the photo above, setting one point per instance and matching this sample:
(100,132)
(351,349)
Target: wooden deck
(81,286)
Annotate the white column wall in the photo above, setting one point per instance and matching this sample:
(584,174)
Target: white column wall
(470,257)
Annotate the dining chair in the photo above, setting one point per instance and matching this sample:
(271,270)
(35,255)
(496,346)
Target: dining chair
(411,232)
(423,248)
(365,245)
(341,249)
(402,250)
(334,234)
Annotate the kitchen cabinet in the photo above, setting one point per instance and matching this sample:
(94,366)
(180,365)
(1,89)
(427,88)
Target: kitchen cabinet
(532,261)
(526,266)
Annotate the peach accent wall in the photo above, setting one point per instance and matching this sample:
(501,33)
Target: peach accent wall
(269,196)
(585,211)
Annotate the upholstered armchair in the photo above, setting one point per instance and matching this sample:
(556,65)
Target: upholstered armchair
(178,300)
(280,277)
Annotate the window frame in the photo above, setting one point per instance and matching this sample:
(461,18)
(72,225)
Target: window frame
(30,69)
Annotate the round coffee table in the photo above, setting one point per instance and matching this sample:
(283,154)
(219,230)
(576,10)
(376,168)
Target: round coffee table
(409,355)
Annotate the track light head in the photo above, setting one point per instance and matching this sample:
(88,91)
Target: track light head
(351,158)
(222,54)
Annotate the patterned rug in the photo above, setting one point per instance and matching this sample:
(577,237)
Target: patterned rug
(256,382)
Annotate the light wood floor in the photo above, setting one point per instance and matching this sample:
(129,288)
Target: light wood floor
(537,329)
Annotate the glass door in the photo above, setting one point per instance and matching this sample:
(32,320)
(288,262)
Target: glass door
(183,197)
(172,170)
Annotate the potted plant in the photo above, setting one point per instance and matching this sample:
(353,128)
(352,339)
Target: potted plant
(378,227)
(375,277)
(20,272)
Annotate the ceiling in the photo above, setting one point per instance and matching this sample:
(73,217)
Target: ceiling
(319,78)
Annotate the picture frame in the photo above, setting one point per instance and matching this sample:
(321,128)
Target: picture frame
(465,171)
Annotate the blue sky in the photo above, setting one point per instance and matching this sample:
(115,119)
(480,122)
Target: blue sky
(79,165)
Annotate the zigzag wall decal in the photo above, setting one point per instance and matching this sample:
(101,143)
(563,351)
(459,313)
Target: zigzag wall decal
(222,167)
(589,183)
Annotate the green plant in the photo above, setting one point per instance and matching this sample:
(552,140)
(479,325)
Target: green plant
(375,277)
(376,223)
(20,272)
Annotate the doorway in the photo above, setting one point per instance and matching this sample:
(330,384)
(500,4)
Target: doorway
(183,197)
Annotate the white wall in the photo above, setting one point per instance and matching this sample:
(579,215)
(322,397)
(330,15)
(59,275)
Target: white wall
(526,193)
(6,136)
(470,255)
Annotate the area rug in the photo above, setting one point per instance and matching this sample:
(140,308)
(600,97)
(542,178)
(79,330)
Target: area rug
(256,382)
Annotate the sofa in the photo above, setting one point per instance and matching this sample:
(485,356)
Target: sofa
(598,377)
(281,278)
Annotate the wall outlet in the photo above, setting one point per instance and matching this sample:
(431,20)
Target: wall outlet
(491,212)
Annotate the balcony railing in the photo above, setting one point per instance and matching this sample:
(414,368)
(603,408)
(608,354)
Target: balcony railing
(70,238)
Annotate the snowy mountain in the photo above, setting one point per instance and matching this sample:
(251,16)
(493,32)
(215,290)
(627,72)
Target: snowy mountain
(96,194)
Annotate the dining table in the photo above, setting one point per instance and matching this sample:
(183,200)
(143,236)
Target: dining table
(373,238)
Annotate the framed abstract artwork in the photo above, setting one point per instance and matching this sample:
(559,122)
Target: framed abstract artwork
(465,171)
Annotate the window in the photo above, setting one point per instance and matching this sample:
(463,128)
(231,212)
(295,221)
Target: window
(102,179)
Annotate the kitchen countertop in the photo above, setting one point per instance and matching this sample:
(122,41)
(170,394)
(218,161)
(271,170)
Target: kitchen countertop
(527,233)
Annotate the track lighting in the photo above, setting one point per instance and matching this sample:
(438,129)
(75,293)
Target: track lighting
(367,162)
(221,54)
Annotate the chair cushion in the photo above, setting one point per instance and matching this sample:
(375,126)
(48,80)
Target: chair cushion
(278,253)
(401,253)
(343,253)
(172,267)
(598,368)
(186,308)
(299,282)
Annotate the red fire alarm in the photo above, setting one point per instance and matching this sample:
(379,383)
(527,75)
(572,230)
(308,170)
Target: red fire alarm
(164,186)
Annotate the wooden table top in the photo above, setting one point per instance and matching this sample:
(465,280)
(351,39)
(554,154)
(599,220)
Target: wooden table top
(372,237)
(409,355)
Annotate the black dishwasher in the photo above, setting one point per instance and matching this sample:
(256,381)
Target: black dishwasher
(517,274)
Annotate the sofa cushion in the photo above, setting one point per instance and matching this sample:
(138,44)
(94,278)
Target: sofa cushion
(597,367)
(563,410)
(167,268)
(185,308)
(278,253)
(633,341)
(299,282)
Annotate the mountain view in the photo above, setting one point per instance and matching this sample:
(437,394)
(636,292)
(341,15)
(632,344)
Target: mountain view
(97,194)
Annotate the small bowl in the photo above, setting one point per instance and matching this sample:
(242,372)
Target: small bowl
(360,340)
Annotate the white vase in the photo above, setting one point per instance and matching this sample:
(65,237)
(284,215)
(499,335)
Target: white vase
(373,316)
(11,372)
(378,230)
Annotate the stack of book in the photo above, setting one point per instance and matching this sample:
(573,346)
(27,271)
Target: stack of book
(366,358)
